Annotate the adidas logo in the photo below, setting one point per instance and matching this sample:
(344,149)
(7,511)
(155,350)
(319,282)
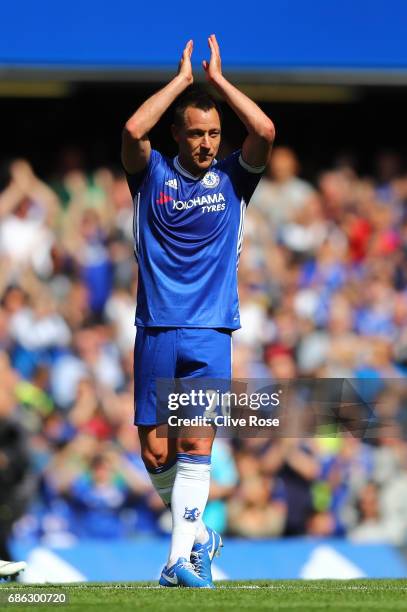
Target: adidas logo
(172,183)
(164,198)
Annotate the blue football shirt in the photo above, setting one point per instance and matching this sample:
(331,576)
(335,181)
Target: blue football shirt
(188,235)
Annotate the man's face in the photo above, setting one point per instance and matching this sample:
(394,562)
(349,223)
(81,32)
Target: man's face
(198,139)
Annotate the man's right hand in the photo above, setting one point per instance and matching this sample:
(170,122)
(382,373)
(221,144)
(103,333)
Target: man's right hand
(136,147)
(185,66)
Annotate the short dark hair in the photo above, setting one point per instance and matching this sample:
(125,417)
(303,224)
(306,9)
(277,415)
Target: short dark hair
(197,98)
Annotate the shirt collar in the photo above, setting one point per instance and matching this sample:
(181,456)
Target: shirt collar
(187,174)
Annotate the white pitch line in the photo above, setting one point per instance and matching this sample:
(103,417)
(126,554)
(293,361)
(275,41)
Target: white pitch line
(124,587)
(68,587)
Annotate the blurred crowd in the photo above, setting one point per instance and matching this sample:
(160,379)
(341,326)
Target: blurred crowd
(323,292)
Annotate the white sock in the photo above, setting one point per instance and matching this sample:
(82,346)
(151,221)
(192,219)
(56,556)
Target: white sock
(201,535)
(163,481)
(189,496)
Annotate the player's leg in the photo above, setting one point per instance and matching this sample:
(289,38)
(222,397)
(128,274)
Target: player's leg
(188,500)
(190,494)
(202,353)
(208,542)
(154,357)
(159,456)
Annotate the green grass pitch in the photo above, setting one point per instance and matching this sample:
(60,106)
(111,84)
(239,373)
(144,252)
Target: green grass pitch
(301,595)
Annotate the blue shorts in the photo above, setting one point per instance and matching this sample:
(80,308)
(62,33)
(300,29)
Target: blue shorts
(180,352)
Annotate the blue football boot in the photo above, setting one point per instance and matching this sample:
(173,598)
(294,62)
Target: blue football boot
(203,554)
(182,574)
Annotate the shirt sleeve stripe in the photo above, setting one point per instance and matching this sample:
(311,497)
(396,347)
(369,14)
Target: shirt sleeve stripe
(252,169)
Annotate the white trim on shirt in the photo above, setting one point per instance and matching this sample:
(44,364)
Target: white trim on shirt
(252,169)
(187,174)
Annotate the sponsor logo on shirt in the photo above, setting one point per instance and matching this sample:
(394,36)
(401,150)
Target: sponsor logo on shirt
(209,203)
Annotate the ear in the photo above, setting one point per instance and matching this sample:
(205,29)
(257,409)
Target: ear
(175,132)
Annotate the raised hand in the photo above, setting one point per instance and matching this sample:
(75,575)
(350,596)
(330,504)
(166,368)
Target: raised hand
(213,68)
(185,66)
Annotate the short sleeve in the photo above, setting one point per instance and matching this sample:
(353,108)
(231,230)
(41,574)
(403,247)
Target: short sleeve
(136,181)
(244,177)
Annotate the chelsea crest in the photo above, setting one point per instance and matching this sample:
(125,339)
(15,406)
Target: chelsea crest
(211,179)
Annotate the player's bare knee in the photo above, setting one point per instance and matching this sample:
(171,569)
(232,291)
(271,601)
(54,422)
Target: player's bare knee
(154,459)
(195,446)
(155,451)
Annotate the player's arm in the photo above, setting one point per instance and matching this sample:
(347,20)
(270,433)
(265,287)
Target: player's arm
(136,147)
(261,132)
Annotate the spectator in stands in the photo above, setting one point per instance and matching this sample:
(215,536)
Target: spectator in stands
(281,194)
(259,508)
(27,212)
